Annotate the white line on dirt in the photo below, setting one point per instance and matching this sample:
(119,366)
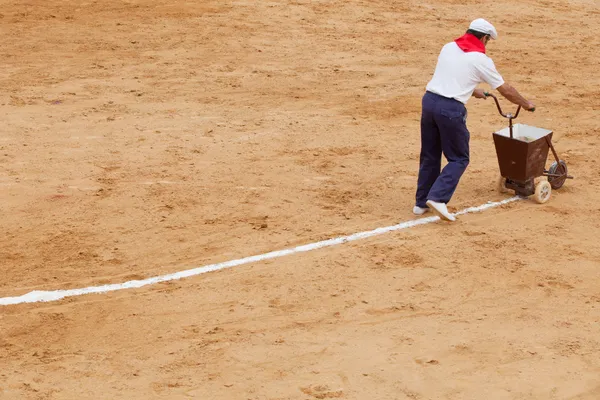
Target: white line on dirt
(46,296)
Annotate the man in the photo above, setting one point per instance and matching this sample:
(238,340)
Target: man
(461,66)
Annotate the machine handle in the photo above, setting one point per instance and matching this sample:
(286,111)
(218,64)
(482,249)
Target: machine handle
(509,115)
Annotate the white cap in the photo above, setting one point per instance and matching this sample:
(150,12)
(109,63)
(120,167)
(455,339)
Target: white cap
(481,25)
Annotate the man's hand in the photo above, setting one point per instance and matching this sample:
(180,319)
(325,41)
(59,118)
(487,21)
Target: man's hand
(479,94)
(530,106)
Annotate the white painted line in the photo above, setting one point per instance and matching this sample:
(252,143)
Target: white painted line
(159,182)
(45,296)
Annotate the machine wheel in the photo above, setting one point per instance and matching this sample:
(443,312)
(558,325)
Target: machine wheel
(501,184)
(543,190)
(557,181)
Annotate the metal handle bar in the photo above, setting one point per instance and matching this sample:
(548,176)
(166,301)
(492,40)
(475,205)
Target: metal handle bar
(509,115)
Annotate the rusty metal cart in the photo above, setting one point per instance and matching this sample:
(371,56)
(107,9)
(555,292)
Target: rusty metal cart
(522,151)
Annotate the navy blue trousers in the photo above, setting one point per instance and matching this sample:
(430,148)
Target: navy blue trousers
(443,130)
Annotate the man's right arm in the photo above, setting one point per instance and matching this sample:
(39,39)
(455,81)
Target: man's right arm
(512,95)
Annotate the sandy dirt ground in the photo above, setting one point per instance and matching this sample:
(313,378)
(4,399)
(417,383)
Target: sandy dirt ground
(145,137)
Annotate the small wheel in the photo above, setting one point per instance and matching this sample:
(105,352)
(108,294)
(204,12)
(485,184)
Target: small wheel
(501,184)
(557,181)
(543,190)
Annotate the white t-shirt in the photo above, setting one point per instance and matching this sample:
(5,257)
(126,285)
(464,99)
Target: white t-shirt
(458,73)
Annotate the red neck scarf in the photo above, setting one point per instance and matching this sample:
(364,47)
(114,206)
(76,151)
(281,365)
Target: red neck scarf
(468,43)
